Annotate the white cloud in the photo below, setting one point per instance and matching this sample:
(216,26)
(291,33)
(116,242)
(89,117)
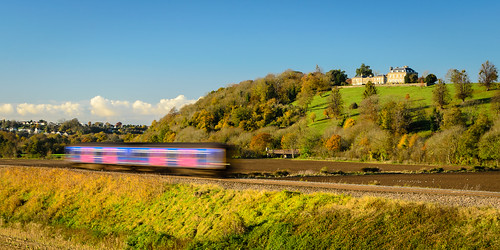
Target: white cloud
(67,108)
(6,108)
(96,109)
(103,107)
(161,108)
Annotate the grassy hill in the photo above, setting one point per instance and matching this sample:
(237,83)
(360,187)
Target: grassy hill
(421,96)
(275,112)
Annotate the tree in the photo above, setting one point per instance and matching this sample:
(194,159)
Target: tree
(364,70)
(441,95)
(369,108)
(313,117)
(335,104)
(488,74)
(453,117)
(369,90)
(463,86)
(495,102)
(311,83)
(430,79)
(395,117)
(260,142)
(411,78)
(336,77)
(333,143)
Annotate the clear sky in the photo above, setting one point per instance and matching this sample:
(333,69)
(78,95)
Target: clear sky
(131,61)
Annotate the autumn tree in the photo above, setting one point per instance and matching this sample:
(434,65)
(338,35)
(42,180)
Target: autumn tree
(441,95)
(488,74)
(290,141)
(310,84)
(369,108)
(364,70)
(463,86)
(260,142)
(312,117)
(369,90)
(335,104)
(333,143)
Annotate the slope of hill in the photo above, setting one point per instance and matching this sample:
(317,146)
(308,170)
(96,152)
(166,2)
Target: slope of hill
(419,96)
(400,124)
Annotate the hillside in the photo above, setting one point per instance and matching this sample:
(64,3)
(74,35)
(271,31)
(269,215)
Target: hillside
(420,96)
(399,123)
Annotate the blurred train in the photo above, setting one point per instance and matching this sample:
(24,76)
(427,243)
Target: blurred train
(213,156)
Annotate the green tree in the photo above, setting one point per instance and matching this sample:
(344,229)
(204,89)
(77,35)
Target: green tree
(411,78)
(369,90)
(488,74)
(395,117)
(468,143)
(336,77)
(430,79)
(441,95)
(312,117)
(495,102)
(364,70)
(489,146)
(453,117)
(463,86)
(335,104)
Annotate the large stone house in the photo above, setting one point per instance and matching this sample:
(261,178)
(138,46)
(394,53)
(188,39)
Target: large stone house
(395,76)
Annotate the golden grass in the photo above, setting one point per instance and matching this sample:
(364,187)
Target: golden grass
(141,211)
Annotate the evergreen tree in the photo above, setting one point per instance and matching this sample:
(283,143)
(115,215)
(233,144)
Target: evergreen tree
(369,90)
(335,104)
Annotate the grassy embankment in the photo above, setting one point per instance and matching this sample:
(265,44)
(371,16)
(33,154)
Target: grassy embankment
(140,211)
(421,96)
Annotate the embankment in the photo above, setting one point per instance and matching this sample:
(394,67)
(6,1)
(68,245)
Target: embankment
(142,211)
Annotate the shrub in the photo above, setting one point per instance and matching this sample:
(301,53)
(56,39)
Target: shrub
(370,170)
(442,147)
(349,123)
(334,143)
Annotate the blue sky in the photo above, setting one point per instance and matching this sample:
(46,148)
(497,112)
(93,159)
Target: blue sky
(132,61)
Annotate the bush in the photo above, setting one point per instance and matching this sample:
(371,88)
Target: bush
(442,147)
(370,170)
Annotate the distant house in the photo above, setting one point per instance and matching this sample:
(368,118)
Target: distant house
(395,76)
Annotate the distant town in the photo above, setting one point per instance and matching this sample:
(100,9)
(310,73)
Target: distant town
(28,128)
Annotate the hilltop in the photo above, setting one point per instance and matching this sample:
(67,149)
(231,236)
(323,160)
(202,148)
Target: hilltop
(294,110)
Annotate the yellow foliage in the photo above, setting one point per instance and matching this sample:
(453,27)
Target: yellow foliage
(349,123)
(333,143)
(403,142)
(413,140)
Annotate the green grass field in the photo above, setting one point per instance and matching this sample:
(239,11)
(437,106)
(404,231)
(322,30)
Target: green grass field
(144,212)
(419,96)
